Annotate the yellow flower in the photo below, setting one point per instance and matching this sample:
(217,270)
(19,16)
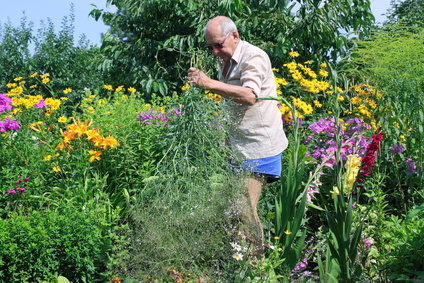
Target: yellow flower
(317,103)
(47,158)
(297,76)
(308,62)
(323,73)
(17,110)
(102,102)
(340,98)
(33,86)
(275,69)
(53,103)
(293,54)
(185,87)
(131,89)
(307,109)
(68,90)
(108,87)
(45,75)
(45,80)
(276,238)
(372,103)
(352,165)
(312,74)
(17,79)
(287,232)
(109,141)
(280,81)
(396,124)
(291,66)
(336,191)
(95,155)
(323,65)
(16,91)
(33,75)
(119,88)
(62,119)
(63,98)
(56,169)
(402,138)
(356,100)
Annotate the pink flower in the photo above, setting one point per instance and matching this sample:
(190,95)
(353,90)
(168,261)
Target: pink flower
(11,191)
(40,104)
(21,189)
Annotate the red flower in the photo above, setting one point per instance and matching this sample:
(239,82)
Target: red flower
(378,137)
(368,159)
(373,147)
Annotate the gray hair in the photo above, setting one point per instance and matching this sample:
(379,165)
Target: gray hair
(227,25)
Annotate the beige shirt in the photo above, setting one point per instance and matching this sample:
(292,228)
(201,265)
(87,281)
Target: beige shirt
(258,129)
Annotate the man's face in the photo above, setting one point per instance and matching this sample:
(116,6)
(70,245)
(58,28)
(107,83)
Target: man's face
(221,45)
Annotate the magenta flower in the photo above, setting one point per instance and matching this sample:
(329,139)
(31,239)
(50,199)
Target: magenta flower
(412,166)
(367,242)
(40,104)
(9,124)
(21,190)
(11,191)
(5,103)
(323,143)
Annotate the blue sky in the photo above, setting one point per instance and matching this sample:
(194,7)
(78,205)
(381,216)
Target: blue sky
(56,10)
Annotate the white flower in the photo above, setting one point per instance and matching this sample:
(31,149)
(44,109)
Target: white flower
(238,256)
(236,246)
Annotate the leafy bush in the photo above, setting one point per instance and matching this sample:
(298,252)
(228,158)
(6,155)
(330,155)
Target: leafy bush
(404,243)
(41,245)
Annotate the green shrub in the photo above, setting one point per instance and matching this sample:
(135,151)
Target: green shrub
(404,242)
(41,245)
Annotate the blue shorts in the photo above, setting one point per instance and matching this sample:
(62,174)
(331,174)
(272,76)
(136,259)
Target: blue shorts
(270,167)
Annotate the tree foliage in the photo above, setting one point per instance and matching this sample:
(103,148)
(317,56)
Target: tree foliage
(152,43)
(70,65)
(410,12)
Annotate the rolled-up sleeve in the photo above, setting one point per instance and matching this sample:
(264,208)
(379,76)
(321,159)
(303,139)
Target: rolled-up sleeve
(253,72)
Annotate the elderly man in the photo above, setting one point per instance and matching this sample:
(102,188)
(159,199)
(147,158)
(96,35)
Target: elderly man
(257,134)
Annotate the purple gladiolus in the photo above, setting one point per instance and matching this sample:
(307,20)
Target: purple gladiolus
(411,166)
(396,148)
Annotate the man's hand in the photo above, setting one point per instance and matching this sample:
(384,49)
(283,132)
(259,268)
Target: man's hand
(197,77)
(238,94)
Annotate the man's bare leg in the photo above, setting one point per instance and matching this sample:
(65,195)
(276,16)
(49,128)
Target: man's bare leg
(254,186)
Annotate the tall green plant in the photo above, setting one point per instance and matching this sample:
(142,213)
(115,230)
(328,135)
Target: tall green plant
(343,237)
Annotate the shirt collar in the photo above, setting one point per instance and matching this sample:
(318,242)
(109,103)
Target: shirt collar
(237,53)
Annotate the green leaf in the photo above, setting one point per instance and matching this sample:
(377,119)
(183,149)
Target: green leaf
(415,212)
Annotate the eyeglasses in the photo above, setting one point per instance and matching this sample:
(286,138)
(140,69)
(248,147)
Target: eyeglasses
(217,45)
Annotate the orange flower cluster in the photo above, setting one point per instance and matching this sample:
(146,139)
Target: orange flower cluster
(80,130)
